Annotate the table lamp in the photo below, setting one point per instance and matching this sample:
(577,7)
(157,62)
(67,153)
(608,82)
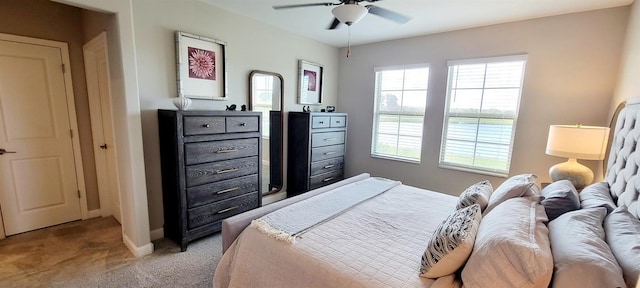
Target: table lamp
(576,142)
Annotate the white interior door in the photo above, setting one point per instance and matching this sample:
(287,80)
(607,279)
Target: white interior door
(96,63)
(38,183)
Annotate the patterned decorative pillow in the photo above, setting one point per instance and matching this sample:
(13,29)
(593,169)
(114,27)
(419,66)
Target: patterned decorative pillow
(478,193)
(451,243)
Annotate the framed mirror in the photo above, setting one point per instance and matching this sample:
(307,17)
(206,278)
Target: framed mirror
(266,96)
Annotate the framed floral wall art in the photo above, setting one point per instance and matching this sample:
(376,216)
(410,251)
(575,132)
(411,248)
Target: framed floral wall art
(201,69)
(310,80)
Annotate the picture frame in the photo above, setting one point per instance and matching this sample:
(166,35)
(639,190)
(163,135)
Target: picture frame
(201,68)
(310,80)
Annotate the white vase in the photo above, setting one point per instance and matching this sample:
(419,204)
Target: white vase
(182,103)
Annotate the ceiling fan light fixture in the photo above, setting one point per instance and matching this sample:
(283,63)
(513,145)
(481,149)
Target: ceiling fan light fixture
(350,13)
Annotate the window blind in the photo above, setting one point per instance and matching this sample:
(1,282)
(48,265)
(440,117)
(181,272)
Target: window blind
(483,97)
(400,101)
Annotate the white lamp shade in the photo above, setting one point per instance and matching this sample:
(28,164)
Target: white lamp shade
(350,13)
(577,141)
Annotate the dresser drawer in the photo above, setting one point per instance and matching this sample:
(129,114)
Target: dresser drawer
(325,166)
(198,125)
(320,122)
(221,190)
(325,179)
(327,152)
(242,124)
(338,121)
(327,138)
(219,210)
(222,170)
(202,152)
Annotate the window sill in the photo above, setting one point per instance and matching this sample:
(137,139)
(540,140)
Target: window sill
(471,170)
(395,159)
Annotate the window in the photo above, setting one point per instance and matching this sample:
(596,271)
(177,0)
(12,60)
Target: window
(398,116)
(483,96)
(263,88)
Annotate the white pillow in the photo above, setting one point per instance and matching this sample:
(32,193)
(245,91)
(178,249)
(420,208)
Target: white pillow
(512,247)
(451,243)
(581,256)
(516,186)
(478,193)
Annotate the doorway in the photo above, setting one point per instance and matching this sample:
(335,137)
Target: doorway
(41,174)
(96,61)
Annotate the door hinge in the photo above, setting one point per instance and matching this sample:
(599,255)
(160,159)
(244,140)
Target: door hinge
(79,194)
(64,69)
(71,133)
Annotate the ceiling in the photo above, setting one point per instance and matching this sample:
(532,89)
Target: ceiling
(428,16)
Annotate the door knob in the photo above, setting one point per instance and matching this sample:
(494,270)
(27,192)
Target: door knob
(103,146)
(3,151)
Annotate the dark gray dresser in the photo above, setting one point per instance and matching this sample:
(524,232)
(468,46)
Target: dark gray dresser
(316,150)
(210,169)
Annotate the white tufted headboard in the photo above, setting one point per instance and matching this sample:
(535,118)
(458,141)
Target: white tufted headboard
(624,158)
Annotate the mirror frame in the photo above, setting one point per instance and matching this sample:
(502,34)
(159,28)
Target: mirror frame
(250,102)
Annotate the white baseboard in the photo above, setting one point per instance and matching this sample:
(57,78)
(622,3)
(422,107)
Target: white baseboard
(135,250)
(157,234)
(94,214)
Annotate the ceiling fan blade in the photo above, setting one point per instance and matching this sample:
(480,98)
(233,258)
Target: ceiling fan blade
(334,24)
(304,5)
(388,14)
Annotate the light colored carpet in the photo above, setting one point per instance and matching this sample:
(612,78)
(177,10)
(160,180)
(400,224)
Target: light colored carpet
(166,267)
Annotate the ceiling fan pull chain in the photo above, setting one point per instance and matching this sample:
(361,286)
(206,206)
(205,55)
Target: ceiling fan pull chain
(349,41)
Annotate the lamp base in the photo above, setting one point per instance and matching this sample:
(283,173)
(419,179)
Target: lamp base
(579,175)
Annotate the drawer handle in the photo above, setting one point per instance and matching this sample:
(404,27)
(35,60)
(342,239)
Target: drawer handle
(321,122)
(226,151)
(328,179)
(226,171)
(329,166)
(227,210)
(330,139)
(227,190)
(243,124)
(329,153)
(338,122)
(206,125)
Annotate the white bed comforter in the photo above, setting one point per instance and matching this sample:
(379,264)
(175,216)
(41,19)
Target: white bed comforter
(377,243)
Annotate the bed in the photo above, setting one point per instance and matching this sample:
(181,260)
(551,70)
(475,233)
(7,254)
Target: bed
(513,235)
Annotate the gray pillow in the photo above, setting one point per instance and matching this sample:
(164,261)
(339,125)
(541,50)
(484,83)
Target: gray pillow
(622,231)
(516,186)
(559,197)
(581,257)
(597,195)
(511,248)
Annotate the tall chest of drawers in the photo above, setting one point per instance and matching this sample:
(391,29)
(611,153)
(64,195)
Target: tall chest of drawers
(316,150)
(210,162)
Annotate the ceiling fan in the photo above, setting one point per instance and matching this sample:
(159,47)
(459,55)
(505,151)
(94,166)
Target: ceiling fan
(349,12)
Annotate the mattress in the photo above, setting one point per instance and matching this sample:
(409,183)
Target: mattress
(370,245)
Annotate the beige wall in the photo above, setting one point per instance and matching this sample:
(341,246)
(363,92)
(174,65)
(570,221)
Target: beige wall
(250,45)
(570,77)
(629,80)
(53,21)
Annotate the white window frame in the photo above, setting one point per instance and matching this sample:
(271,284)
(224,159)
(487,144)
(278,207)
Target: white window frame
(472,168)
(376,112)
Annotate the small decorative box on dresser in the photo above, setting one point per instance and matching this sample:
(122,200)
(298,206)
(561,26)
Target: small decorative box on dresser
(210,169)
(316,150)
